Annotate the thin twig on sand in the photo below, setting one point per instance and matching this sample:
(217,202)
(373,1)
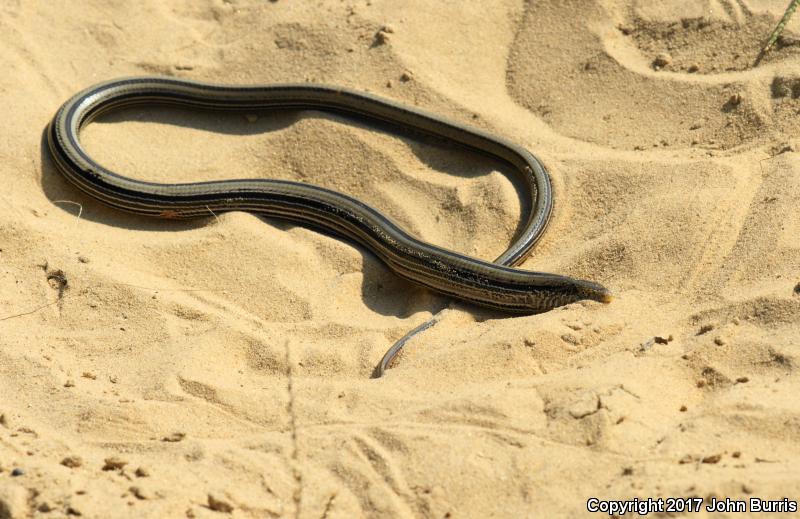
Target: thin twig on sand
(778,30)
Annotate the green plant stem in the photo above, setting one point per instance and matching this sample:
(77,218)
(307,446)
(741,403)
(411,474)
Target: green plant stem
(778,29)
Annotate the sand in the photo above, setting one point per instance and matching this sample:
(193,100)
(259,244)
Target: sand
(221,367)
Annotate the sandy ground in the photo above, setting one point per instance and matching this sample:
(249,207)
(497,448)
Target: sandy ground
(161,369)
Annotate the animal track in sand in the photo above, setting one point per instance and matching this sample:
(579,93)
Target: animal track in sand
(763,247)
(764,311)
(704,45)
(606,78)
